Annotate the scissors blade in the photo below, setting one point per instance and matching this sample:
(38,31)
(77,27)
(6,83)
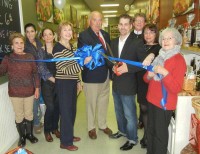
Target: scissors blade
(106,57)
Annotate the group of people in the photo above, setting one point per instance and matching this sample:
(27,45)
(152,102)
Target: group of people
(60,81)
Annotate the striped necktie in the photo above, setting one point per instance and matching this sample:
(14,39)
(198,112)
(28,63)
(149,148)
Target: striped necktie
(101,40)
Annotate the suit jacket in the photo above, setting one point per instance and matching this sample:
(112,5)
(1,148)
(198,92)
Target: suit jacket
(133,49)
(98,75)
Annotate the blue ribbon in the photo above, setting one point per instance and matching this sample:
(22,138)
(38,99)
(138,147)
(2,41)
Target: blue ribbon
(97,59)
(134,63)
(164,92)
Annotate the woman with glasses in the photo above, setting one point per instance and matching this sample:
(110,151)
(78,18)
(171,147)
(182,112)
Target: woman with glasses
(164,85)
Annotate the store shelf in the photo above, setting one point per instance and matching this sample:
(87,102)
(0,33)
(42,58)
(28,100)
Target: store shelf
(113,31)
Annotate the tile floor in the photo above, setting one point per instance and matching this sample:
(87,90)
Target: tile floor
(102,145)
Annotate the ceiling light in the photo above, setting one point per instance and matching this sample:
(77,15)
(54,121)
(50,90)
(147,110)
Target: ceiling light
(110,15)
(113,11)
(109,5)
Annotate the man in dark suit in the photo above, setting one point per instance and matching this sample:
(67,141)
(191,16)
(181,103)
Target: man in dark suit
(96,82)
(125,82)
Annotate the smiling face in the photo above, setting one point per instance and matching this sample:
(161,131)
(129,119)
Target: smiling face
(168,41)
(95,21)
(18,45)
(30,33)
(149,36)
(66,33)
(139,23)
(124,26)
(48,36)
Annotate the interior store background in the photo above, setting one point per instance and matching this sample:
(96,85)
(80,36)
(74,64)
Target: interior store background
(184,109)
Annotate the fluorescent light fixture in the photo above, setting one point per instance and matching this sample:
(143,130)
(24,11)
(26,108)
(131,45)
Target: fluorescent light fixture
(113,11)
(109,5)
(110,15)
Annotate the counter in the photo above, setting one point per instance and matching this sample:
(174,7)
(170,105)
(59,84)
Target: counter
(8,131)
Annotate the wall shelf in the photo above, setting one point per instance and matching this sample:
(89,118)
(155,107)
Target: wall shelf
(113,31)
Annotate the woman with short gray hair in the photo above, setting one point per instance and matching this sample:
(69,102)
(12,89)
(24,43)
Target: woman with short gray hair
(163,89)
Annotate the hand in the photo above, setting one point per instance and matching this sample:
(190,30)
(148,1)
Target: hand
(160,70)
(122,68)
(87,60)
(150,74)
(52,79)
(148,60)
(37,93)
(79,87)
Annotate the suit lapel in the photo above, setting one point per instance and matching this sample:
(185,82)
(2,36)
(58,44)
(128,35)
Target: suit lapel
(128,42)
(93,35)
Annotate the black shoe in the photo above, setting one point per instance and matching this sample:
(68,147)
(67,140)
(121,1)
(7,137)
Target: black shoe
(116,135)
(140,125)
(29,132)
(127,146)
(143,143)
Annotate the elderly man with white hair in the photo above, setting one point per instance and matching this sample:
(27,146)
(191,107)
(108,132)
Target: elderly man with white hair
(163,89)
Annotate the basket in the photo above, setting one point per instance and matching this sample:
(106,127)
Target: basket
(189,84)
(196,106)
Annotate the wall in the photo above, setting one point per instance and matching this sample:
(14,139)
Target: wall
(166,8)
(29,13)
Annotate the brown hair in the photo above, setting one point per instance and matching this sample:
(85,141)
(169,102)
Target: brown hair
(153,28)
(126,16)
(15,35)
(60,26)
(140,15)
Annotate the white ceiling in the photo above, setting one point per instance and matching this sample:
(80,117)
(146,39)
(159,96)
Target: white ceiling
(94,5)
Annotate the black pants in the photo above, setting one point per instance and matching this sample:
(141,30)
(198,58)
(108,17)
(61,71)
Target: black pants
(66,90)
(157,129)
(51,116)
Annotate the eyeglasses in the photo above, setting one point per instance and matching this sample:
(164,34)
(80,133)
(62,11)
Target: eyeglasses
(167,39)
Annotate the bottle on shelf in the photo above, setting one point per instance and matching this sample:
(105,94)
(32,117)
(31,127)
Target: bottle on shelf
(193,64)
(196,35)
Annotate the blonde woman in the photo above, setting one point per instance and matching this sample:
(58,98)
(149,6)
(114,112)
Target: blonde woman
(67,84)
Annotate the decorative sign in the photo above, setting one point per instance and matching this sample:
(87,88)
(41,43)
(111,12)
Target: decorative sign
(9,22)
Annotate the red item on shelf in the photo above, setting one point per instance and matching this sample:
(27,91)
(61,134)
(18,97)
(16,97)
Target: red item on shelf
(194,138)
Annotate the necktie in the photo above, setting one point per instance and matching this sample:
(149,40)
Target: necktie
(101,40)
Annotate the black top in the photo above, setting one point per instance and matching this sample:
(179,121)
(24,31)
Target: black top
(133,49)
(143,86)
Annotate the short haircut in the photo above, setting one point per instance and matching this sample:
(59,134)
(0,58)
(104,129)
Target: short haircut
(61,25)
(140,15)
(15,35)
(94,12)
(152,27)
(29,25)
(175,34)
(126,16)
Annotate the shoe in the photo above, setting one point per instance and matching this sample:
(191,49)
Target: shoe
(48,137)
(107,131)
(116,135)
(127,146)
(140,125)
(92,134)
(69,147)
(143,143)
(37,129)
(76,139)
(57,133)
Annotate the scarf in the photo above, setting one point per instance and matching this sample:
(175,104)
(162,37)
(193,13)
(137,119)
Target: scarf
(163,56)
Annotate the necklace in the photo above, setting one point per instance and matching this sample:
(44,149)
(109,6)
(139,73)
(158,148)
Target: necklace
(147,47)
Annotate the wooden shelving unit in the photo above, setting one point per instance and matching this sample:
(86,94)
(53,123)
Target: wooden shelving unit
(113,31)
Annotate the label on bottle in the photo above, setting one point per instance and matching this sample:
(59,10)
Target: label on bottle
(197,35)
(189,34)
